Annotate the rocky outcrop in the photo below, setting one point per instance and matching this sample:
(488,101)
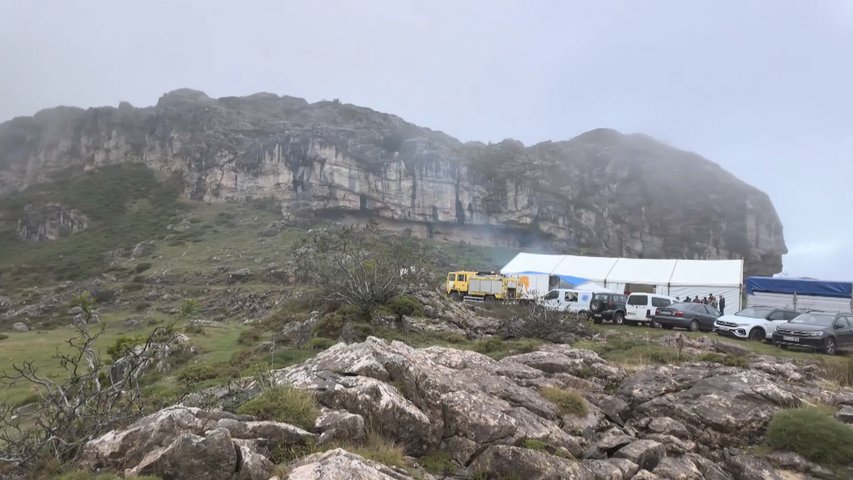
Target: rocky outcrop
(602,192)
(689,422)
(49,222)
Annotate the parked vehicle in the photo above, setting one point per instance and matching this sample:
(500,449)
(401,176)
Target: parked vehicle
(692,316)
(608,306)
(485,286)
(754,323)
(568,300)
(824,332)
(641,307)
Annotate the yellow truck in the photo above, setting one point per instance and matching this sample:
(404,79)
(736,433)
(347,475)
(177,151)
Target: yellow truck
(485,286)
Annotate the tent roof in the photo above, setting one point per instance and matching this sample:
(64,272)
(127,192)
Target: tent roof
(712,273)
(799,286)
(631,270)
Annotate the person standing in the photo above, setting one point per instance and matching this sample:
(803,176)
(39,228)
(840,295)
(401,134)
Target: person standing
(722,304)
(712,300)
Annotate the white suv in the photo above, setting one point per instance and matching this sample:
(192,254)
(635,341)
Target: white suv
(641,307)
(754,323)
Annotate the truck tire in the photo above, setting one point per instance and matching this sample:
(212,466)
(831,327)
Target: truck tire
(456,296)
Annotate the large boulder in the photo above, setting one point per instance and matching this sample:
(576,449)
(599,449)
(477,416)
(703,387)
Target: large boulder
(340,464)
(645,453)
(191,457)
(502,461)
(156,443)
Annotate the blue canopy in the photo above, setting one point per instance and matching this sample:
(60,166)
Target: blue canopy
(816,288)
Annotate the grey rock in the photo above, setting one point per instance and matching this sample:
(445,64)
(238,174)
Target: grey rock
(748,467)
(645,475)
(677,468)
(845,414)
(611,442)
(340,425)
(50,222)
(20,327)
(253,466)
(340,464)
(5,303)
(645,453)
(502,461)
(191,457)
(239,275)
(668,426)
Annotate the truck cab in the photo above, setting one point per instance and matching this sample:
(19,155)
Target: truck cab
(457,284)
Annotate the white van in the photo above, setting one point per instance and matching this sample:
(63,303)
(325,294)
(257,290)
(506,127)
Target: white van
(641,307)
(567,300)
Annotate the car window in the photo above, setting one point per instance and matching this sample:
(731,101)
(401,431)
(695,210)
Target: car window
(841,322)
(638,300)
(600,296)
(777,315)
(552,295)
(461,278)
(791,315)
(452,277)
(661,302)
(621,298)
(713,311)
(571,297)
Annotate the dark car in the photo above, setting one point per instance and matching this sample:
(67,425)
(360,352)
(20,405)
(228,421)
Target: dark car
(608,306)
(692,316)
(825,332)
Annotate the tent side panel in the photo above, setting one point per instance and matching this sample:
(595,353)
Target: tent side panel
(732,294)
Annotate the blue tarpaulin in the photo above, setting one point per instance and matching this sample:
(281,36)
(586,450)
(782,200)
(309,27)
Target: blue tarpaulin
(816,288)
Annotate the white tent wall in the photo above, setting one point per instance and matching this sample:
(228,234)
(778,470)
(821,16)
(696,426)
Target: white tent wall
(733,303)
(679,278)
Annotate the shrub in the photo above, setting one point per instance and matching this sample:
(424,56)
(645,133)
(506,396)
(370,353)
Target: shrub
(568,403)
(320,343)
(194,329)
(330,326)
(122,346)
(284,404)
(438,463)
(382,450)
(730,360)
(141,267)
(405,305)
(103,295)
(198,372)
(497,348)
(249,337)
(3,336)
(839,370)
(534,444)
(813,434)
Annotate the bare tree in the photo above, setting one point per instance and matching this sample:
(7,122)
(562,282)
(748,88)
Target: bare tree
(363,266)
(535,321)
(86,402)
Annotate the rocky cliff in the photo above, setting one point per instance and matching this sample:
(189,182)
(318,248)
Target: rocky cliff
(602,193)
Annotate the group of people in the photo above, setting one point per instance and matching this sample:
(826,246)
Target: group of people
(718,303)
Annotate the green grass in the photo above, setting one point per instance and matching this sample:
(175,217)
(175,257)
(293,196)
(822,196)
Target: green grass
(498,349)
(723,359)
(627,350)
(382,450)
(284,404)
(812,433)
(567,402)
(438,463)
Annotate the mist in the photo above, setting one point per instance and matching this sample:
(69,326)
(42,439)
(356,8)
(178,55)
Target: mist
(760,87)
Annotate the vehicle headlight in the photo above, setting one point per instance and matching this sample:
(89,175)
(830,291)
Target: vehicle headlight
(815,334)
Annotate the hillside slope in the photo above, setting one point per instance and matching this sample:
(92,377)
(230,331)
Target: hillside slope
(601,193)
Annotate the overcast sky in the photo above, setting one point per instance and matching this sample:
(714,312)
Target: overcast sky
(764,88)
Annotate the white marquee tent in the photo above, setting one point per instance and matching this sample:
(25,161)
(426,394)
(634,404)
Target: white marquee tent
(676,278)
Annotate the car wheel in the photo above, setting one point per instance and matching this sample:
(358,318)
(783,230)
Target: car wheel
(595,306)
(694,326)
(456,296)
(829,346)
(757,335)
(618,318)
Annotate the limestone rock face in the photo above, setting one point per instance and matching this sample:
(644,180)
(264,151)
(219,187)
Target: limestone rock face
(49,222)
(602,192)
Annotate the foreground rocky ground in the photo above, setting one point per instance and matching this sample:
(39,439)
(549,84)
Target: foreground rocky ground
(555,413)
